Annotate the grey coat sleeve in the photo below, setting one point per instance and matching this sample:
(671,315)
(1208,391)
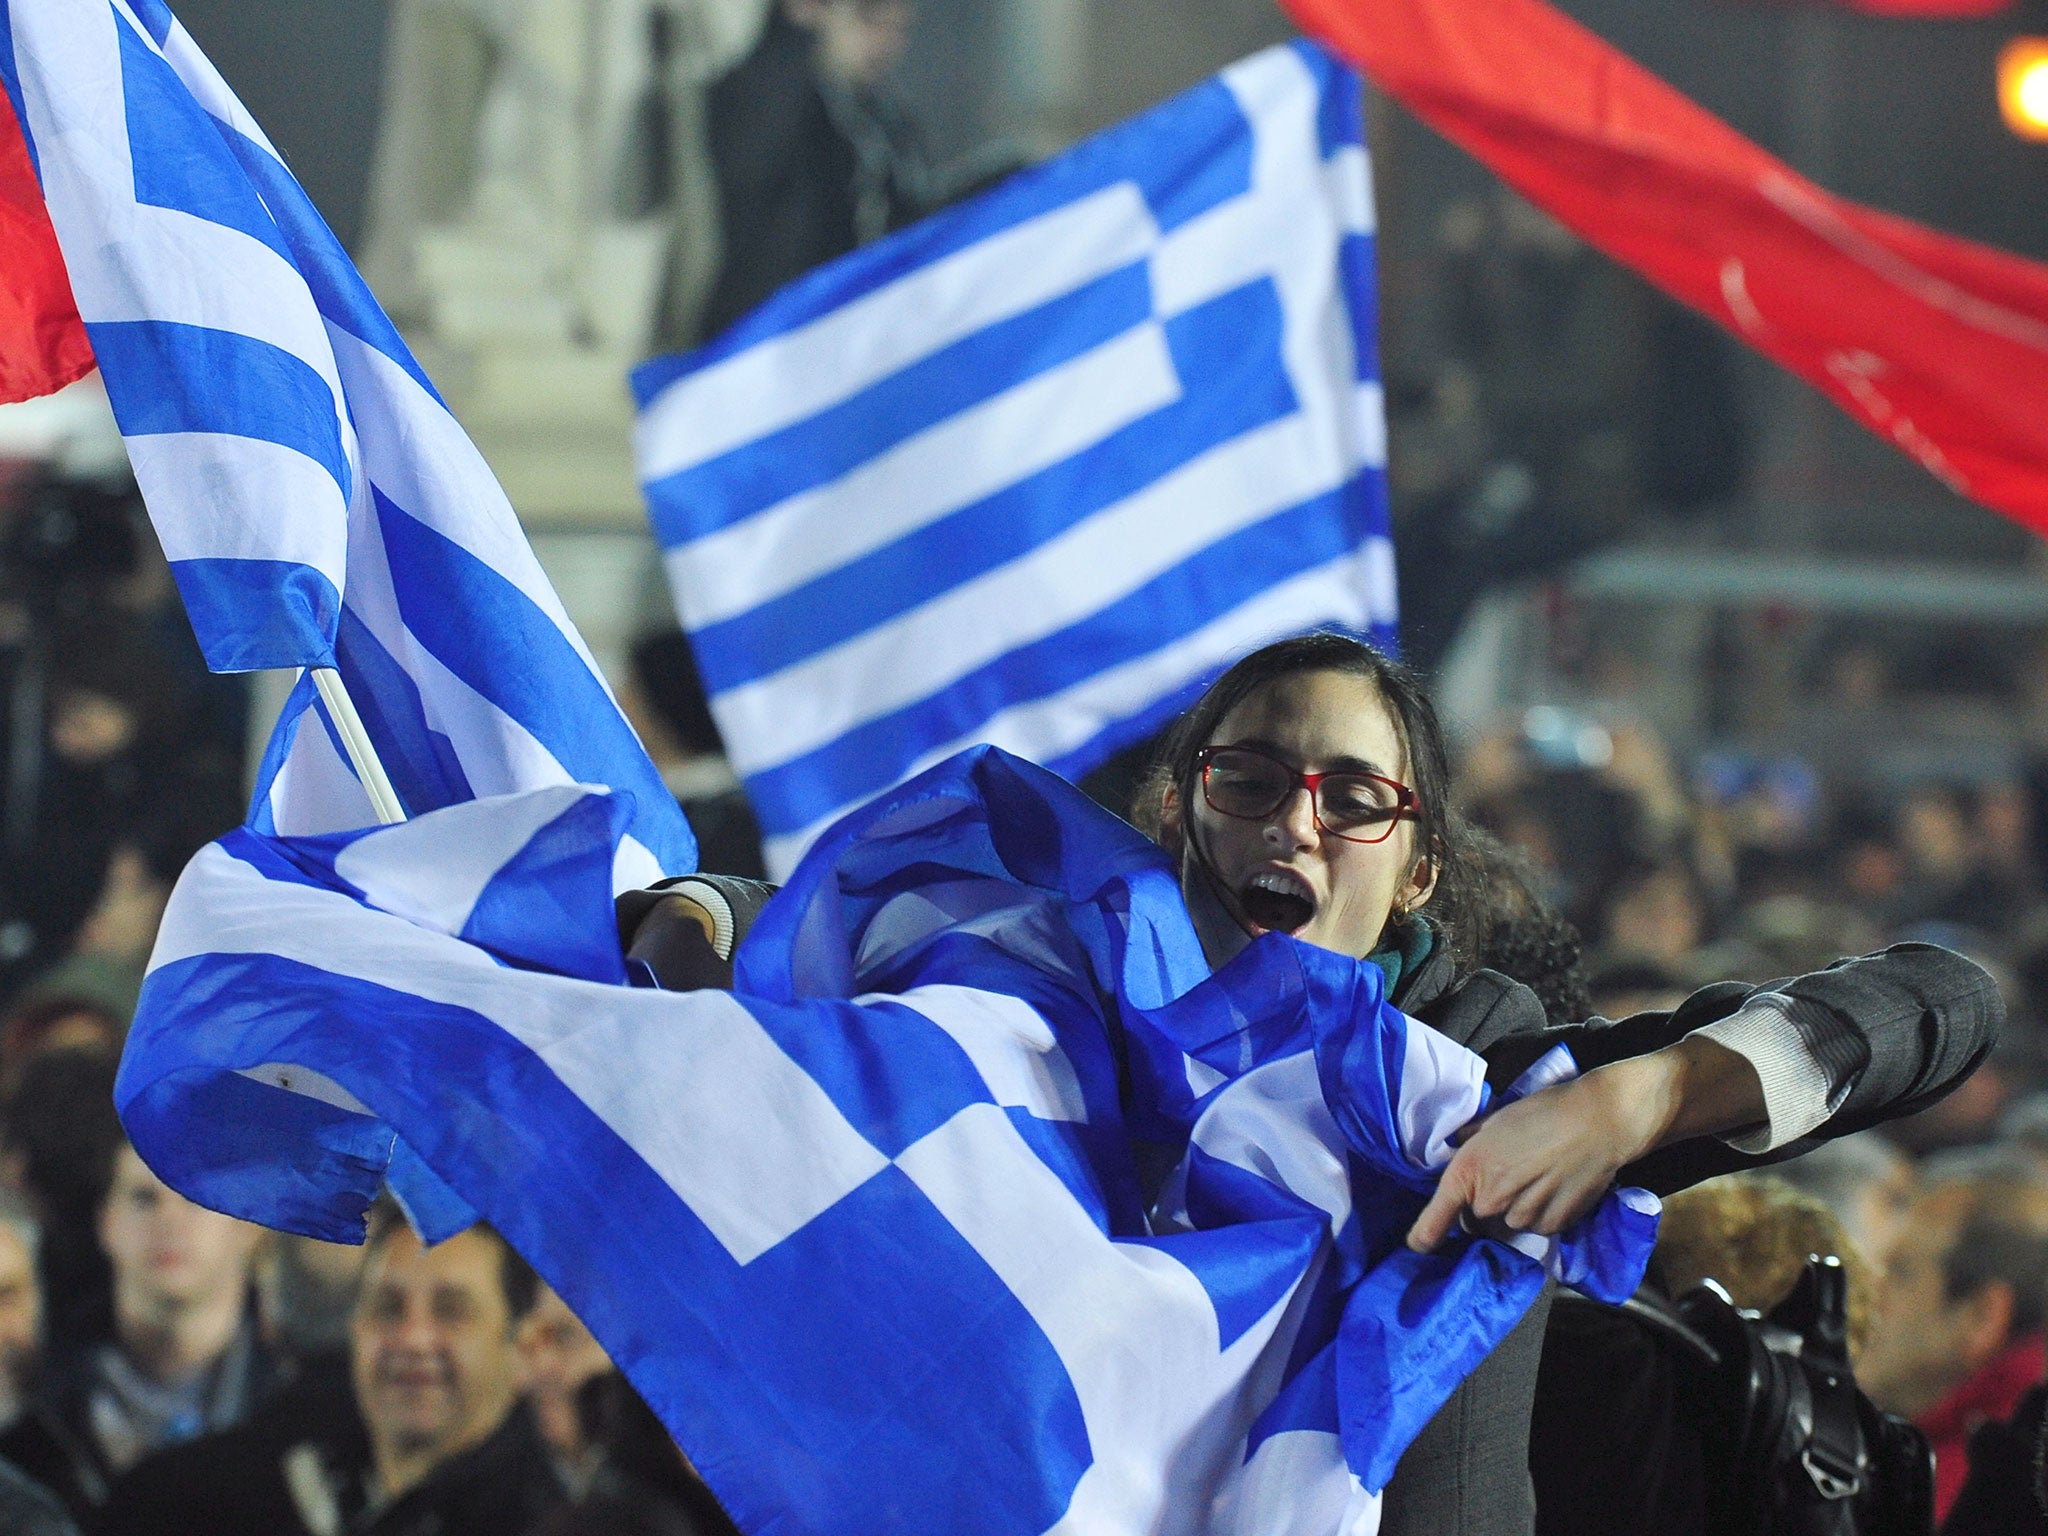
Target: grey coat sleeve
(1894,1032)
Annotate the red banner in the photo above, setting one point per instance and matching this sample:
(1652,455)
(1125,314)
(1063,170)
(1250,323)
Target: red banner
(1936,344)
(43,345)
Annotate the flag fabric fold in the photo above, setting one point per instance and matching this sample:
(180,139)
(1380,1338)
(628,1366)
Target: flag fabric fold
(1936,344)
(1032,471)
(43,345)
(319,504)
(868,1232)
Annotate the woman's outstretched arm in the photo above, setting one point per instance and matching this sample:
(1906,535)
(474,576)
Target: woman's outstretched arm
(1663,1105)
(1540,1164)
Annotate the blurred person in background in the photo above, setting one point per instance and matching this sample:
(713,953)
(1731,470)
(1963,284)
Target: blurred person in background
(56,1021)
(58,1138)
(2008,877)
(1591,802)
(119,755)
(1865,1180)
(435,1359)
(560,1359)
(811,156)
(644,1484)
(21,1304)
(1957,1339)
(431,1439)
(184,1358)
(1939,846)
(1868,866)
(306,1292)
(1655,911)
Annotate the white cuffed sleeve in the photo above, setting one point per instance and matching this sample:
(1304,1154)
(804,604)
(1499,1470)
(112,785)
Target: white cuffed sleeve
(1796,1087)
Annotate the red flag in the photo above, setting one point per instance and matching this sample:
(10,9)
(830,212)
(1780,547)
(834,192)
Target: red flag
(1937,344)
(43,344)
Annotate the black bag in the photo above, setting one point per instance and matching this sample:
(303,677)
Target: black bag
(1793,1447)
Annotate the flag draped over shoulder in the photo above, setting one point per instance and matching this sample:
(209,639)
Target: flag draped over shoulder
(319,505)
(867,1232)
(1936,344)
(1034,470)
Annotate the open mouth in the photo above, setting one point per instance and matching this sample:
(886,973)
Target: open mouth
(1276,903)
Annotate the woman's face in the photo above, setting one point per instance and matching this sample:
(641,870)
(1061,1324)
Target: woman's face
(1283,873)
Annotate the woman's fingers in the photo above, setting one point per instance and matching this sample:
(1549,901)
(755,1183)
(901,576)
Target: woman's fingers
(1537,1165)
(1453,1194)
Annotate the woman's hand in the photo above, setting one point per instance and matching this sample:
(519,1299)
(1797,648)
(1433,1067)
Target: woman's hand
(1540,1164)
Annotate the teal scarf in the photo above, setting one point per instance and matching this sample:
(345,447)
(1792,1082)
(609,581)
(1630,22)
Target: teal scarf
(1406,945)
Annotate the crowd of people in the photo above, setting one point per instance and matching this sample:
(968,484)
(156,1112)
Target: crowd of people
(1677,876)
(158,1360)
(164,1368)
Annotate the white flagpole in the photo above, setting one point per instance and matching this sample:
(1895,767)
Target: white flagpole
(342,710)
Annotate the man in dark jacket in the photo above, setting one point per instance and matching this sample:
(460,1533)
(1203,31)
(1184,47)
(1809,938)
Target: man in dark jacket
(184,1358)
(428,1439)
(811,158)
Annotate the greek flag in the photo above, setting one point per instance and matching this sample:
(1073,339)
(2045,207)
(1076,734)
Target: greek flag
(319,505)
(868,1232)
(1033,471)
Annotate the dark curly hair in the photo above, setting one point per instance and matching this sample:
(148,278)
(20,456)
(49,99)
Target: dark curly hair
(1503,921)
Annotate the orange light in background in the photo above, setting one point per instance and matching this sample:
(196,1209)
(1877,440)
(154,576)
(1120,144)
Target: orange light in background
(2023,86)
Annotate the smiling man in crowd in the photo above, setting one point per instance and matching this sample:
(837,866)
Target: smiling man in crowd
(430,1438)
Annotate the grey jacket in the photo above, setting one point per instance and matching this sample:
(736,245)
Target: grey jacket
(1894,1032)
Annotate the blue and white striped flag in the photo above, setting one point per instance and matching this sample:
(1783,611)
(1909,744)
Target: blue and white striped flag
(1033,471)
(319,504)
(868,1232)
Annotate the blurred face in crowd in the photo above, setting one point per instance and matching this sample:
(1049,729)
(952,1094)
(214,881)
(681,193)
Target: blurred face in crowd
(1283,872)
(169,1255)
(1923,1344)
(858,41)
(432,1351)
(1934,834)
(1658,917)
(81,1029)
(87,728)
(560,1356)
(2005,823)
(21,1314)
(1877,1216)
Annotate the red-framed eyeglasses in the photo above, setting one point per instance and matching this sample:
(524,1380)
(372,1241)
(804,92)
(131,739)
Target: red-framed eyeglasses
(1248,785)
